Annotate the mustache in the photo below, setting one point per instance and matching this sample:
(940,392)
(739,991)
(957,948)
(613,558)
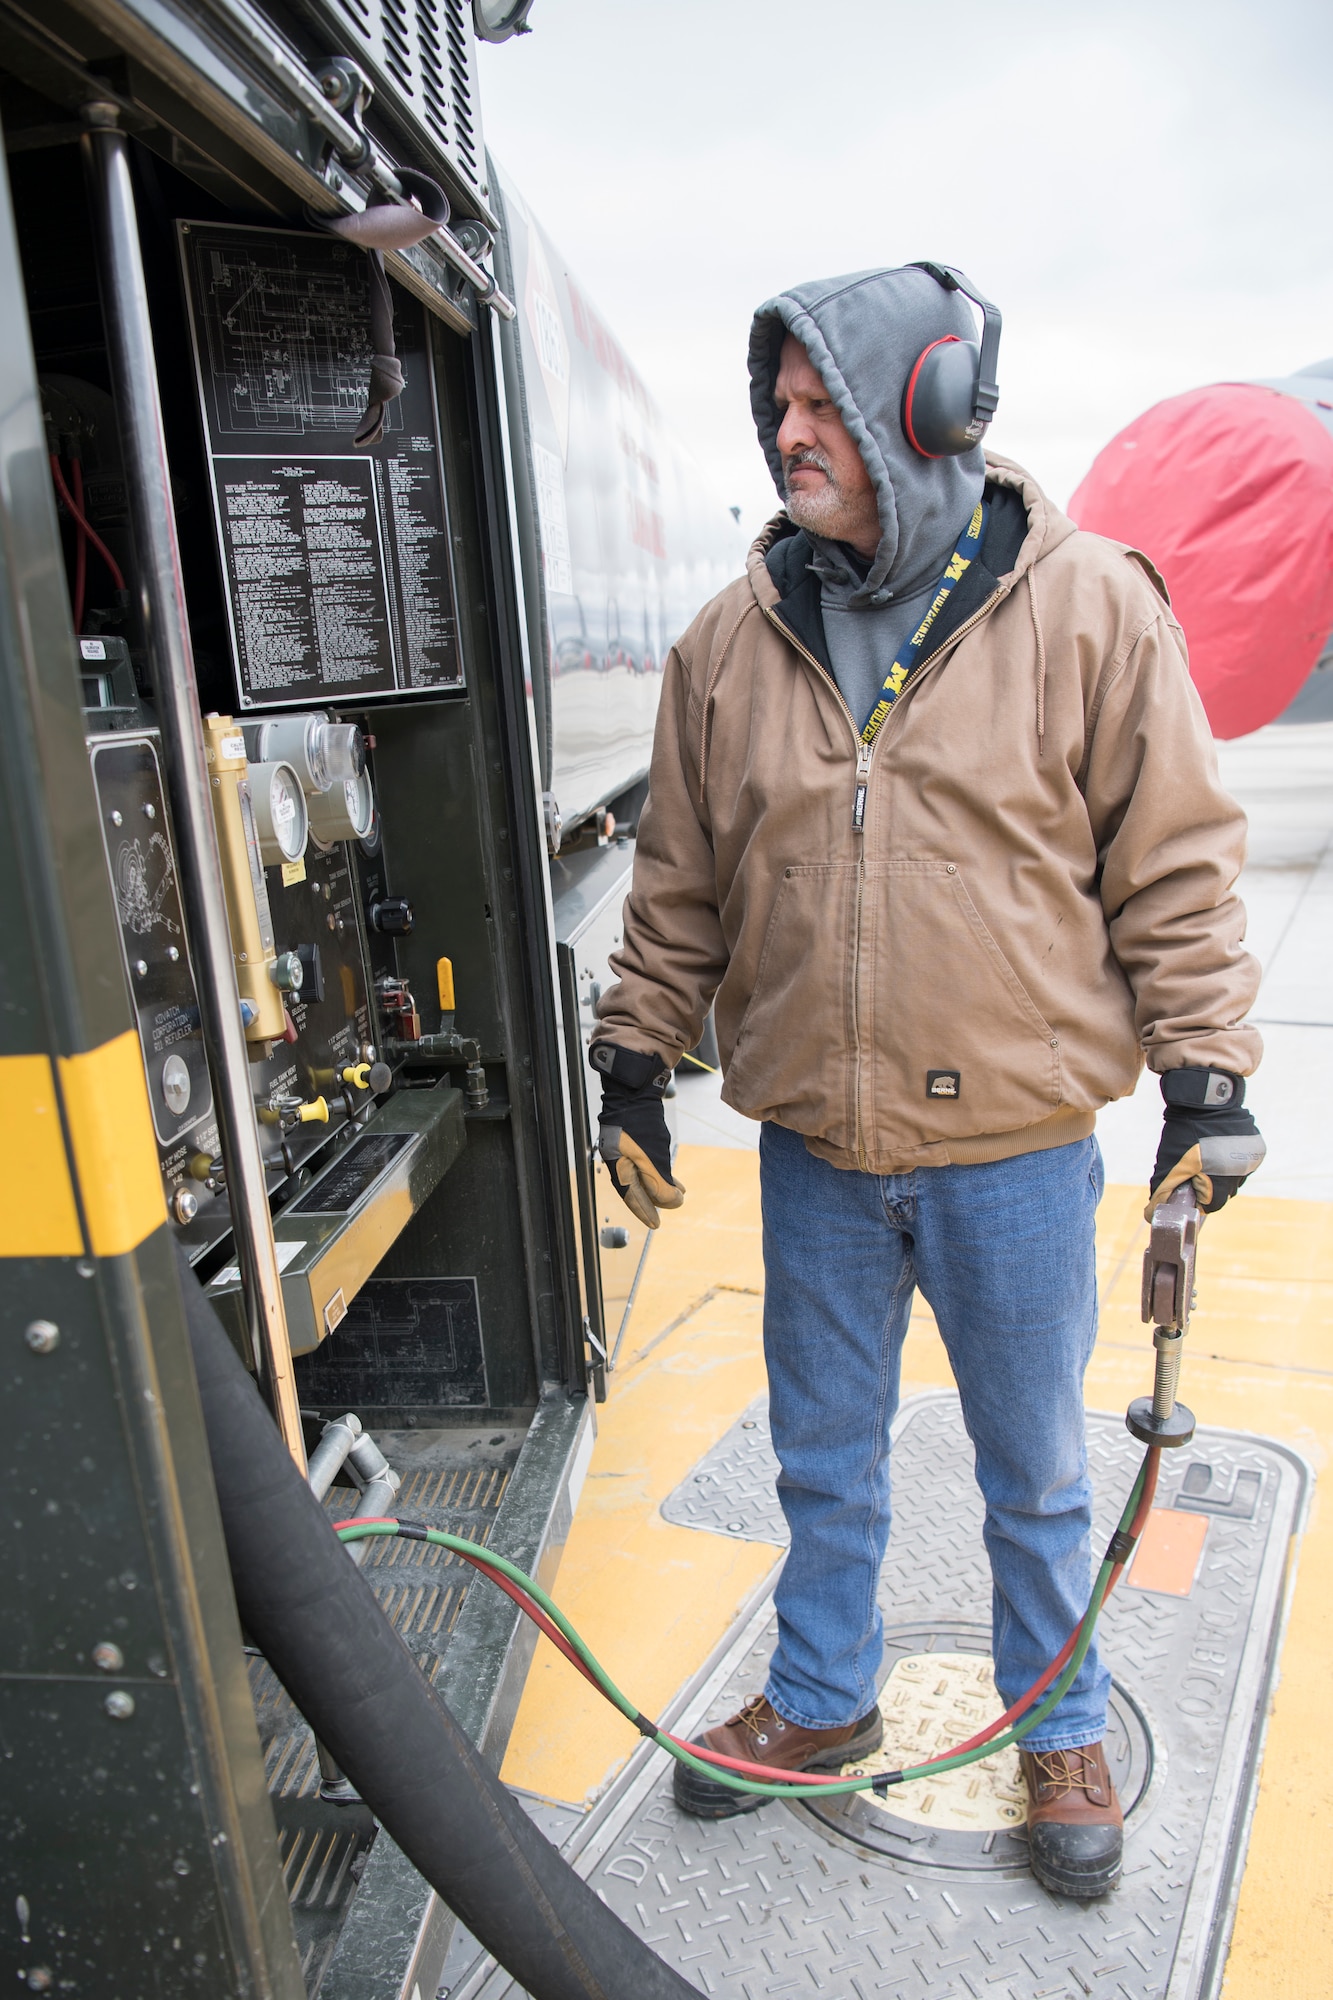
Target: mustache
(810,455)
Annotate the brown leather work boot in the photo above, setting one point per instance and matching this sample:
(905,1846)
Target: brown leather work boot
(1075,1826)
(762,1736)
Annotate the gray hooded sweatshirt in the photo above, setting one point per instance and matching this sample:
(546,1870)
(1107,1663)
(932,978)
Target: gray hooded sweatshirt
(863,334)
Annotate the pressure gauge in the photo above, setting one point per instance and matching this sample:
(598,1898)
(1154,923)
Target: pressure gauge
(281,820)
(324,753)
(345,812)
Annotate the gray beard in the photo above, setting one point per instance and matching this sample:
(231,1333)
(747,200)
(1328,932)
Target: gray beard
(826,512)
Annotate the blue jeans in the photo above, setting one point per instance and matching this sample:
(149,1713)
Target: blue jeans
(1004,1255)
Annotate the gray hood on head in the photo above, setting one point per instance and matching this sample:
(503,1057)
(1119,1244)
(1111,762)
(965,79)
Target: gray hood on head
(863,334)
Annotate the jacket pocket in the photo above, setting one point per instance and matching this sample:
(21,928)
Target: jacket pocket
(957,1045)
(789,1052)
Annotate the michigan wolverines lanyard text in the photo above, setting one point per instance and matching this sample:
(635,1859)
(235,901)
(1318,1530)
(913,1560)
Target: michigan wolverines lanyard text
(910,652)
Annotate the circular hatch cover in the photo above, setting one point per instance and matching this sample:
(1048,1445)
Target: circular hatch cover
(939,1689)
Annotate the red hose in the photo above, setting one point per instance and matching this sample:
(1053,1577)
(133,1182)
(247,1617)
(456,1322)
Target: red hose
(773,1772)
(80,548)
(78,516)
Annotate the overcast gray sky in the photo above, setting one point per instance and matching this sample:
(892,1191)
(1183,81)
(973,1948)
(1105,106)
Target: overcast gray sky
(1145,190)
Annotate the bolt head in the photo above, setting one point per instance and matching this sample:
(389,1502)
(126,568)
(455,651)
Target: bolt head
(42,1336)
(119,1706)
(185,1204)
(108,1657)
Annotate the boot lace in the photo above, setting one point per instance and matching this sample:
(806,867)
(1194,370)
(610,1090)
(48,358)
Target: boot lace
(1063,1771)
(757,1716)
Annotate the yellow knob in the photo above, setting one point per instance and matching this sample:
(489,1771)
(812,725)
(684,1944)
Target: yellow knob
(357,1074)
(314,1113)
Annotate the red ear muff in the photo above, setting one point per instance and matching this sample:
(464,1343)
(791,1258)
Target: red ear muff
(940,416)
(909,394)
(951,393)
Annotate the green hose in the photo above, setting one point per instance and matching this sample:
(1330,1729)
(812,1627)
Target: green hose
(356,1531)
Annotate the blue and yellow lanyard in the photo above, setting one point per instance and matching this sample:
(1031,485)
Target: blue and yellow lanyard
(910,652)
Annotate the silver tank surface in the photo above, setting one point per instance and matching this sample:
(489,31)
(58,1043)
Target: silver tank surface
(624,536)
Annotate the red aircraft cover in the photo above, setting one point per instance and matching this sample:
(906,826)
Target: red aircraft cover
(1229,491)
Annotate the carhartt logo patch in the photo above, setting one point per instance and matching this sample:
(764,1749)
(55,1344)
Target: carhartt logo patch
(944,1082)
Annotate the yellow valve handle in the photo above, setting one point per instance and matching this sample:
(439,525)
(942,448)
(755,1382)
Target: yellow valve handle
(314,1113)
(357,1074)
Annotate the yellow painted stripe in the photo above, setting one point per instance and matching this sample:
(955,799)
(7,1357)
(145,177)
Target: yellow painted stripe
(111,1128)
(38,1216)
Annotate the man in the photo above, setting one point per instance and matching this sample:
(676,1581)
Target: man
(935,822)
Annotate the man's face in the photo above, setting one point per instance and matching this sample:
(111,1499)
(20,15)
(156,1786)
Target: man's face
(828,488)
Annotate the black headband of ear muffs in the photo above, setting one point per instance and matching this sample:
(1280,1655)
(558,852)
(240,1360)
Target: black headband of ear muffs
(951,393)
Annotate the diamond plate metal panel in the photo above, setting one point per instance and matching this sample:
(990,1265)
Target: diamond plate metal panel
(732,1490)
(780,1902)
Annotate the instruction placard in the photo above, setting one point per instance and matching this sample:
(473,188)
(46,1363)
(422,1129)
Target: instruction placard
(337,562)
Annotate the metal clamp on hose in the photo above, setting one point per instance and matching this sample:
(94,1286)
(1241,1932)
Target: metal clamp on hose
(1168,1300)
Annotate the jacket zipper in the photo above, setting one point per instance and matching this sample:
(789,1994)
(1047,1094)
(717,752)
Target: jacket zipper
(864,752)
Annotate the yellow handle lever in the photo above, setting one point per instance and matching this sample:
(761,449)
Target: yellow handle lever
(357,1074)
(314,1113)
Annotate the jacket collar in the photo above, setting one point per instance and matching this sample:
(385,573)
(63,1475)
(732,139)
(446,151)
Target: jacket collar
(1047,528)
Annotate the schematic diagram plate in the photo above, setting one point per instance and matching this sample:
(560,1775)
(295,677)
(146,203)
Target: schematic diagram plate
(339,578)
(784,1901)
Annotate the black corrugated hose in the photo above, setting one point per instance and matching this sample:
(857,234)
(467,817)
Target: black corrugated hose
(317,1622)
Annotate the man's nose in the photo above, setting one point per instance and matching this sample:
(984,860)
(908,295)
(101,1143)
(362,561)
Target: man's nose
(795,432)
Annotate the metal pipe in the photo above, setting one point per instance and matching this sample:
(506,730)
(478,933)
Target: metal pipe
(330,1454)
(272,53)
(629,1303)
(381,1488)
(476,274)
(166,628)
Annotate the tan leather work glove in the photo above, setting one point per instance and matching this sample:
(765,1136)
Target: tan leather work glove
(634,1141)
(1207,1137)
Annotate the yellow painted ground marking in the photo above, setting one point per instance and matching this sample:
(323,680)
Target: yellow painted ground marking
(929,1702)
(652,1599)
(1260,1359)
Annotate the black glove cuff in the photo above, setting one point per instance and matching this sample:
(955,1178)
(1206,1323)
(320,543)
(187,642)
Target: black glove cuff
(629,1068)
(1203,1089)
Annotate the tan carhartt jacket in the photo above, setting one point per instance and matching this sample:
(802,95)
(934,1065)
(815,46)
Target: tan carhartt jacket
(1042,896)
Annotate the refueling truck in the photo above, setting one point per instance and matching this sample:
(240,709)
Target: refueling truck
(341,548)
